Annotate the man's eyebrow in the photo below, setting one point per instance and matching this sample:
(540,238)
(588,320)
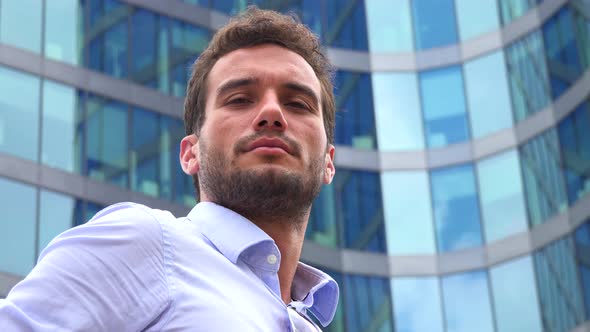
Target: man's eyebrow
(303,89)
(235,83)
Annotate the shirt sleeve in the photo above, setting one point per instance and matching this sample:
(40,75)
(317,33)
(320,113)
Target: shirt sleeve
(106,275)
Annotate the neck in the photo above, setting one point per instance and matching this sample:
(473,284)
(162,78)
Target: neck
(288,236)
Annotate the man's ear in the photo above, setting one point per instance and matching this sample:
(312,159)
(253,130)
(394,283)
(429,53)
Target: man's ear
(189,154)
(330,170)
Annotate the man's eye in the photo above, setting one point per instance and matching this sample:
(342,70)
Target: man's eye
(238,101)
(297,104)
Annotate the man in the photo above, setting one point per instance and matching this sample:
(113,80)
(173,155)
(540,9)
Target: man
(259,117)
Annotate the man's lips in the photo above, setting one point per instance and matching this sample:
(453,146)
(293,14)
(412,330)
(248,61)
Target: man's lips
(269,145)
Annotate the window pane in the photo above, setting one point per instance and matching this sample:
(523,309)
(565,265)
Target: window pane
(57,213)
(408,213)
(358,209)
(582,242)
(171,133)
(184,189)
(346,24)
(456,211)
(543,183)
(63,28)
(19,108)
(476,17)
(367,305)
(355,119)
(443,104)
(63,129)
(513,9)
(574,141)
(397,111)
(529,83)
(501,195)
(108,37)
(17,239)
(559,289)
(107,149)
(416,304)
(562,49)
(187,42)
(322,227)
(144,47)
(515,296)
(20,23)
(389,26)
(434,23)
(487,94)
(145,152)
(467,302)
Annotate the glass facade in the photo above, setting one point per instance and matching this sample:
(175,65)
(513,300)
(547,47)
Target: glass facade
(450,150)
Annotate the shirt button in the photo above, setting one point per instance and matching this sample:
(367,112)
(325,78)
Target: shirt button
(271,259)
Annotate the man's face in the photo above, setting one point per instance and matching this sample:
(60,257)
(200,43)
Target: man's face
(262,147)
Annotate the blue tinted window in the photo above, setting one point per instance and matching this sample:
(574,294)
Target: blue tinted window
(516,303)
(397,111)
(57,213)
(543,183)
(17,239)
(358,209)
(63,25)
(527,73)
(184,189)
(187,42)
(488,96)
(574,141)
(322,226)
(582,242)
(456,209)
(434,23)
(20,23)
(562,49)
(408,213)
(63,128)
(559,289)
(19,109)
(467,302)
(389,26)
(501,195)
(443,103)
(106,147)
(91,210)
(476,17)
(513,9)
(171,132)
(368,302)
(346,25)
(145,152)
(148,53)
(417,304)
(355,122)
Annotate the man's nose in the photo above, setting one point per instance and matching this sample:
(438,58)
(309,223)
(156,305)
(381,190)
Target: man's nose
(270,115)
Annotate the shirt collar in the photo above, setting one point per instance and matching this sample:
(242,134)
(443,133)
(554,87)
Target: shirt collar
(233,235)
(317,291)
(313,288)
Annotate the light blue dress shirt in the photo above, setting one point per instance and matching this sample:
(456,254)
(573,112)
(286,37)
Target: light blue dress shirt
(132,268)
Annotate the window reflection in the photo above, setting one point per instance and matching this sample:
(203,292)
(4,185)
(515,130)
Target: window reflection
(369,305)
(501,194)
(543,183)
(434,23)
(20,24)
(513,9)
(467,302)
(574,142)
(417,304)
(516,303)
(475,18)
(389,26)
(19,108)
(582,243)
(57,213)
(408,213)
(456,210)
(107,145)
(17,239)
(559,288)
(443,103)
(64,30)
(346,24)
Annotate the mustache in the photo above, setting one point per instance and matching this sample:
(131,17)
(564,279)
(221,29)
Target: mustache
(243,143)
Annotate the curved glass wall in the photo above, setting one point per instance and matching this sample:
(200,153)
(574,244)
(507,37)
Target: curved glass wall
(462,133)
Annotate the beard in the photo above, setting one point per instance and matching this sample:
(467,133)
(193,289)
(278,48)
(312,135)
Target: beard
(260,194)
